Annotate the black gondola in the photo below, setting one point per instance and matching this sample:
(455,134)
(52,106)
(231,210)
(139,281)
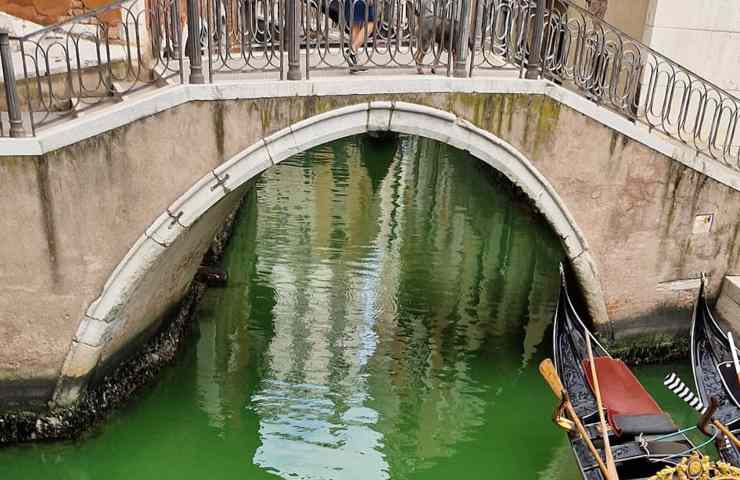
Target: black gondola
(646,443)
(714,372)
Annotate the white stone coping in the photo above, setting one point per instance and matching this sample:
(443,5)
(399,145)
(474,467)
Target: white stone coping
(150,103)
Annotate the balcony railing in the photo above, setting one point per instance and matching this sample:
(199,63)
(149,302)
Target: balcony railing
(57,72)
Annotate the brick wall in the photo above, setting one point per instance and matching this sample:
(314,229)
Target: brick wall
(47,12)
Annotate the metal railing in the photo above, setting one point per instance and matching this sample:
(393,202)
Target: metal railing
(606,65)
(59,71)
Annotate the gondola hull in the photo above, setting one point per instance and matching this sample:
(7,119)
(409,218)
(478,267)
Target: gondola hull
(637,454)
(714,373)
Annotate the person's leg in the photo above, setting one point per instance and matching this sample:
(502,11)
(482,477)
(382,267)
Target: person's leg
(356,37)
(358,34)
(370,28)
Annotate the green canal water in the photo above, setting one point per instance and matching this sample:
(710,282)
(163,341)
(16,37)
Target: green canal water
(388,305)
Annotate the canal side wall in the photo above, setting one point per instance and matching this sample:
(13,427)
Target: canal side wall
(75,207)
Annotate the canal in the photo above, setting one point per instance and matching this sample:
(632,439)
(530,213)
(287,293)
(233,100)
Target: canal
(388,305)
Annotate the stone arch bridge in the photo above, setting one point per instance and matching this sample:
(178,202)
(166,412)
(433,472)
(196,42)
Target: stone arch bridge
(105,218)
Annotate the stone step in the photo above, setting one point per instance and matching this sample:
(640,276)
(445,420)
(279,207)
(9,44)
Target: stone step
(728,303)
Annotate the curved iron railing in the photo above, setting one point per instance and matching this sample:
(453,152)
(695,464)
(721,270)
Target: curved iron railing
(99,57)
(624,75)
(62,70)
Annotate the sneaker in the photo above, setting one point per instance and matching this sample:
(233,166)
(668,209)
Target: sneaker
(350,56)
(352,61)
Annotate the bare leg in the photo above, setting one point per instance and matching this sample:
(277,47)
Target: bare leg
(358,35)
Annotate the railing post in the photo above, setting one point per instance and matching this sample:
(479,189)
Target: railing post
(461,60)
(11,93)
(294,62)
(176,28)
(534,61)
(196,66)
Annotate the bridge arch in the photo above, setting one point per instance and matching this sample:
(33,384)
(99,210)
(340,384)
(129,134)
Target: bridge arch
(107,315)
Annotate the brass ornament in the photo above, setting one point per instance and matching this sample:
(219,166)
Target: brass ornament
(698,467)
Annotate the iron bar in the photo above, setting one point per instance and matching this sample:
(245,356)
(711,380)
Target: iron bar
(11,93)
(194,53)
(534,59)
(476,33)
(294,63)
(463,34)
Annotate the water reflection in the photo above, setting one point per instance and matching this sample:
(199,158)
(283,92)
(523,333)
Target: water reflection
(377,279)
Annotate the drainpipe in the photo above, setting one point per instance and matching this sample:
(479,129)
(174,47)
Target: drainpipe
(11,92)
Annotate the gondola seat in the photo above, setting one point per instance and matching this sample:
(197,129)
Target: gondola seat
(630,408)
(647,424)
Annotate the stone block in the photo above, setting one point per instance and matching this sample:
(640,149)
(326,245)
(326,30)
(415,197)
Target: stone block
(731,288)
(92,332)
(326,127)
(193,203)
(379,116)
(718,15)
(729,311)
(81,360)
(728,303)
(122,281)
(243,166)
(282,145)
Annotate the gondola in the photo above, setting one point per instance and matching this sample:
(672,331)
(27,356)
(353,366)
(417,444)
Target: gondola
(643,438)
(714,372)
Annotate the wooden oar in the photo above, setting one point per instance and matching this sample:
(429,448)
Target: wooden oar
(604,431)
(548,372)
(707,418)
(676,385)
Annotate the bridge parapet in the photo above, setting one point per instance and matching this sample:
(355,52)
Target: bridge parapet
(89,61)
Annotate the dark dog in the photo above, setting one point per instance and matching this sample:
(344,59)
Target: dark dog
(434,30)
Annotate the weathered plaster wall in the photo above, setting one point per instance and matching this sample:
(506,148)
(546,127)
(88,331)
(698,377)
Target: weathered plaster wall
(69,218)
(74,213)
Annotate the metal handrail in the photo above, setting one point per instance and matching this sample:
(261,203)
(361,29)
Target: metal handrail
(294,38)
(632,79)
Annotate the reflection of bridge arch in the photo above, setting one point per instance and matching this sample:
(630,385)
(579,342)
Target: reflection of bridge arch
(165,238)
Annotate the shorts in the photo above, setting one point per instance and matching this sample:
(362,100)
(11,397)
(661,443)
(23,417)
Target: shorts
(358,15)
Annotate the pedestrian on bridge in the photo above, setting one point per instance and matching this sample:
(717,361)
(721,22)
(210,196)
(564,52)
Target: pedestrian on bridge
(360,16)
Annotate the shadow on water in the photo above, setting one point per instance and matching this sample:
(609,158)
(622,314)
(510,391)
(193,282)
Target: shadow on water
(376,155)
(387,307)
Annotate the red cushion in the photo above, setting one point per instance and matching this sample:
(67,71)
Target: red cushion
(621,392)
